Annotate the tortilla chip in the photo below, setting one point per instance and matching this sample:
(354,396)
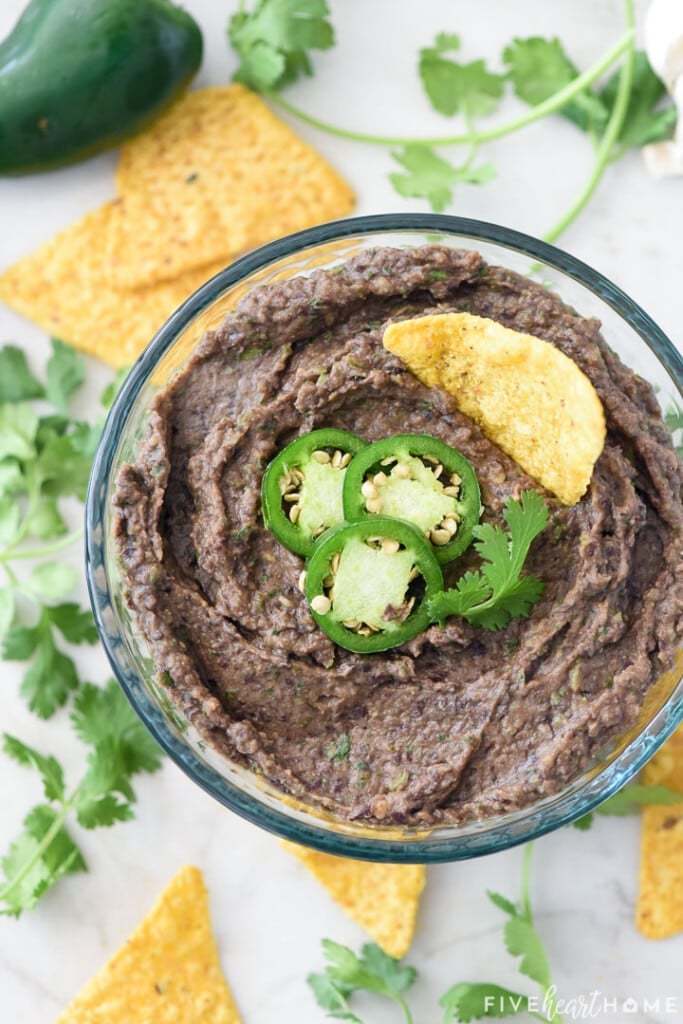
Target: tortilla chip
(527,396)
(63,288)
(659,911)
(382,898)
(216,175)
(168,972)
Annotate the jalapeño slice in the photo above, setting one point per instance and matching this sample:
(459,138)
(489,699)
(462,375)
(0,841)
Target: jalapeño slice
(417,478)
(368,584)
(301,493)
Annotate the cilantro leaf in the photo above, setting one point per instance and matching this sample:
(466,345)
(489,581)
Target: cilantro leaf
(6,609)
(643,122)
(113,387)
(51,581)
(331,996)
(50,678)
(20,642)
(76,624)
(371,971)
(273,39)
(497,593)
(102,716)
(37,860)
(23,885)
(628,800)
(539,68)
(17,383)
(454,88)
(474,1000)
(63,464)
(10,518)
(396,978)
(52,674)
(522,939)
(432,177)
(45,521)
(65,374)
(48,767)
(61,855)
(504,904)
(18,428)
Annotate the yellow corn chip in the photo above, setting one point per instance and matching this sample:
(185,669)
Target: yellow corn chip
(218,174)
(63,288)
(659,912)
(168,971)
(527,396)
(381,898)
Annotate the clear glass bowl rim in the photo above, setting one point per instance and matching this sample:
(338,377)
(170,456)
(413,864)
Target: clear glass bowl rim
(562,809)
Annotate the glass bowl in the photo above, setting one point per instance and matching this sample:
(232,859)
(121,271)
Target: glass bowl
(627,329)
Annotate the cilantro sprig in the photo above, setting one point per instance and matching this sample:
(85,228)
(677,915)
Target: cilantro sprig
(45,457)
(119,747)
(373,971)
(498,592)
(628,800)
(272,41)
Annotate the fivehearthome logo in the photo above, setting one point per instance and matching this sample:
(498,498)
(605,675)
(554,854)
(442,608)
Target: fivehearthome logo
(594,1005)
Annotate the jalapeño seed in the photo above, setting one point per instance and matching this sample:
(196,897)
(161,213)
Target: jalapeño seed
(389,545)
(439,537)
(368,489)
(374,505)
(301,583)
(321,604)
(402,471)
(294,513)
(320,456)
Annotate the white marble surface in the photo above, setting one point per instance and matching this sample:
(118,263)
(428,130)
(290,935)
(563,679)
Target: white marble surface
(269,915)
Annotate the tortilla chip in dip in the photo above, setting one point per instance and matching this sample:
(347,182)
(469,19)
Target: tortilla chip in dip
(382,898)
(527,396)
(659,911)
(167,972)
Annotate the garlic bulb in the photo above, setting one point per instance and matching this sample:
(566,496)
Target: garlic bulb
(664,48)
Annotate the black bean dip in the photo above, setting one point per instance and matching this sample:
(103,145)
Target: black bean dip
(461,722)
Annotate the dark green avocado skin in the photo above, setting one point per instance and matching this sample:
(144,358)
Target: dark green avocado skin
(80,76)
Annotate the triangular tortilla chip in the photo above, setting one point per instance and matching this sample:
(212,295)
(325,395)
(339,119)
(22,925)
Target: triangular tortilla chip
(219,173)
(63,287)
(659,911)
(168,972)
(382,898)
(526,395)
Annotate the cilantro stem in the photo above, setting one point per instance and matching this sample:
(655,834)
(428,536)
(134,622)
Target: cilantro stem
(527,911)
(549,106)
(9,554)
(406,1009)
(611,135)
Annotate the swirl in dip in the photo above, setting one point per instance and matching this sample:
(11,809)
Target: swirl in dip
(460,722)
